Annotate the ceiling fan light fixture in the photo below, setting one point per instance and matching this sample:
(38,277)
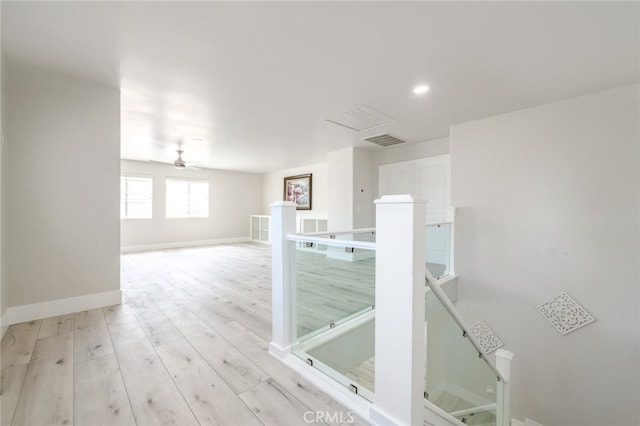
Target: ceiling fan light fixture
(179,163)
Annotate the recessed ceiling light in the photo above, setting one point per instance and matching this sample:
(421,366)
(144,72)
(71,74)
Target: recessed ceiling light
(419,90)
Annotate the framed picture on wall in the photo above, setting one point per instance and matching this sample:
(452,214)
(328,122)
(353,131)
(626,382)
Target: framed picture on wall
(298,190)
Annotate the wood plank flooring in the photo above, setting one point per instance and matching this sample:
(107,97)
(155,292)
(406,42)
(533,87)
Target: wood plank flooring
(364,374)
(188,346)
(329,290)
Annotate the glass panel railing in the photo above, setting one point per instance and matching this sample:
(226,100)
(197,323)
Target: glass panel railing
(364,234)
(368,235)
(333,308)
(459,378)
(438,249)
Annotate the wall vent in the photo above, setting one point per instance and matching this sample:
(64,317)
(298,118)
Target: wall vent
(384,140)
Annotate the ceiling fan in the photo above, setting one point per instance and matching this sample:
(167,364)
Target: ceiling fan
(178,163)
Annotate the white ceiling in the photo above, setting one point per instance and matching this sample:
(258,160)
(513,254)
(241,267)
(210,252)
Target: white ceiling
(255,82)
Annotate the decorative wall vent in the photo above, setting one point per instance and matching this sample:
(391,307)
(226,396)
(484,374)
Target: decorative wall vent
(361,118)
(565,314)
(485,337)
(384,140)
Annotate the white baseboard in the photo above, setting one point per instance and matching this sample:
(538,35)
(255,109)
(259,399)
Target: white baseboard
(182,244)
(35,311)
(278,351)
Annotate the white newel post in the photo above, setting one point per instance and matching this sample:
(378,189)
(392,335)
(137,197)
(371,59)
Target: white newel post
(399,333)
(283,223)
(503,365)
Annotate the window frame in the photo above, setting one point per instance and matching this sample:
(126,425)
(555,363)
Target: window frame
(184,180)
(123,178)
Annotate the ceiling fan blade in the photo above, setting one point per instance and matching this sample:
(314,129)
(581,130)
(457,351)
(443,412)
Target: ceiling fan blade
(178,163)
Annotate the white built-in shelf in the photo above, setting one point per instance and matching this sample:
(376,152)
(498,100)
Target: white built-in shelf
(259,228)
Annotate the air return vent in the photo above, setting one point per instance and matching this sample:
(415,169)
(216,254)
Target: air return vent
(384,140)
(361,118)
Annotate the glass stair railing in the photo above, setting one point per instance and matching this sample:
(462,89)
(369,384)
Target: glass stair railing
(438,249)
(333,306)
(325,313)
(459,378)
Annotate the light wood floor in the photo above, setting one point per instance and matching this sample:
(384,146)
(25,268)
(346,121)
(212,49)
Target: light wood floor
(365,374)
(187,346)
(329,290)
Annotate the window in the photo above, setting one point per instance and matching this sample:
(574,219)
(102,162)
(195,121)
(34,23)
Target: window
(187,198)
(136,197)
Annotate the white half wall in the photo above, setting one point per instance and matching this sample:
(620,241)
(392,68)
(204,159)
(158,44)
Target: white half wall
(60,209)
(273,189)
(547,201)
(233,197)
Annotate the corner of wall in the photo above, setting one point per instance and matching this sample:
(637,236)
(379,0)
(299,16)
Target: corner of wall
(78,116)
(3,299)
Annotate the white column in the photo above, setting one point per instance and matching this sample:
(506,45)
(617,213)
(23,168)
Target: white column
(400,344)
(503,365)
(283,223)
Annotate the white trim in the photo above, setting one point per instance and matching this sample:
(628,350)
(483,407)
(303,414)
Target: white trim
(335,332)
(434,415)
(353,231)
(464,394)
(398,199)
(380,418)
(182,244)
(351,401)
(278,351)
(440,215)
(488,407)
(52,308)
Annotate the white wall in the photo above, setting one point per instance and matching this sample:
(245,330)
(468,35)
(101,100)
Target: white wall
(273,189)
(402,153)
(347,175)
(365,187)
(548,201)
(351,177)
(340,166)
(398,153)
(233,197)
(428,179)
(3,286)
(62,148)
